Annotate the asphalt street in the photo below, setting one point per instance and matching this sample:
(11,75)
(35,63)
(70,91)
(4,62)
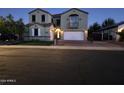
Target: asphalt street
(32,66)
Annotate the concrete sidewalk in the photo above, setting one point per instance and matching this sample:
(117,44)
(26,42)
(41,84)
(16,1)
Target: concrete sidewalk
(65,47)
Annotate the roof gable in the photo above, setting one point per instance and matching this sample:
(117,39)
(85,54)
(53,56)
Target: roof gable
(56,15)
(39,10)
(75,9)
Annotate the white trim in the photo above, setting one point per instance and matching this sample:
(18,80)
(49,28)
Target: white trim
(32,31)
(39,32)
(51,35)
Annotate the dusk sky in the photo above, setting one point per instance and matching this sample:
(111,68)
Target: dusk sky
(95,14)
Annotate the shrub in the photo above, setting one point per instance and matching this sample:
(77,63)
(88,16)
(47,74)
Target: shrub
(36,42)
(5,37)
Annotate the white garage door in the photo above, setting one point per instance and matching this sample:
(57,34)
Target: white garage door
(73,36)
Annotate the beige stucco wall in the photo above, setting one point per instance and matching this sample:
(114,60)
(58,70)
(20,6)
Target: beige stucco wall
(43,31)
(83,20)
(38,14)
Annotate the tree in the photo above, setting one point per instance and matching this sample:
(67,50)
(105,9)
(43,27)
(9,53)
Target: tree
(20,27)
(2,25)
(10,18)
(2,18)
(10,24)
(10,27)
(93,28)
(108,22)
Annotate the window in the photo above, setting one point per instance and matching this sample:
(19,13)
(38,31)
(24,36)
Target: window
(35,32)
(33,18)
(74,21)
(46,32)
(52,20)
(43,18)
(58,22)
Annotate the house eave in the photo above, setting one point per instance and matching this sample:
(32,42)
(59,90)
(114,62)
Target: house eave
(75,9)
(41,24)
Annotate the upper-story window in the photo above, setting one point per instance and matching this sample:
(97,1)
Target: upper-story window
(58,22)
(33,18)
(74,21)
(43,18)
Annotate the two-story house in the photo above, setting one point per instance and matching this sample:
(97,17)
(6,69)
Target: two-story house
(73,22)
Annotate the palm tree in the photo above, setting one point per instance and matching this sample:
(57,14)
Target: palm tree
(108,22)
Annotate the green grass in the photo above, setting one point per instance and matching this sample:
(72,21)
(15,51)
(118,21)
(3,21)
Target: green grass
(36,42)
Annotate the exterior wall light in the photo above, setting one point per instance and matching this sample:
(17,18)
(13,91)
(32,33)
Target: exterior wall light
(57,33)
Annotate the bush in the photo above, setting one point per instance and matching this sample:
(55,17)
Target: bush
(8,37)
(36,42)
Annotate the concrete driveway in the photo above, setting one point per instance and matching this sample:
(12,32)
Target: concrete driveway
(92,44)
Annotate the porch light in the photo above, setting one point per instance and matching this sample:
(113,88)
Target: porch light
(120,30)
(57,31)
(57,34)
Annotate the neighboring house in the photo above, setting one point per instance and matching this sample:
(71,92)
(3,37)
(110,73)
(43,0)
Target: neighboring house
(73,22)
(110,33)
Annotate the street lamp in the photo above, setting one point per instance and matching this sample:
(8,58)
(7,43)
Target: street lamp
(57,32)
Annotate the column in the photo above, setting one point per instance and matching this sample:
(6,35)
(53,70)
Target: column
(102,36)
(32,31)
(39,32)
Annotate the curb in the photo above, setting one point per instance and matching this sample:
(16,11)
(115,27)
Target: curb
(65,47)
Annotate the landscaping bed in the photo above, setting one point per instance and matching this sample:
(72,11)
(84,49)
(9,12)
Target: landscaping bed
(9,42)
(36,42)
